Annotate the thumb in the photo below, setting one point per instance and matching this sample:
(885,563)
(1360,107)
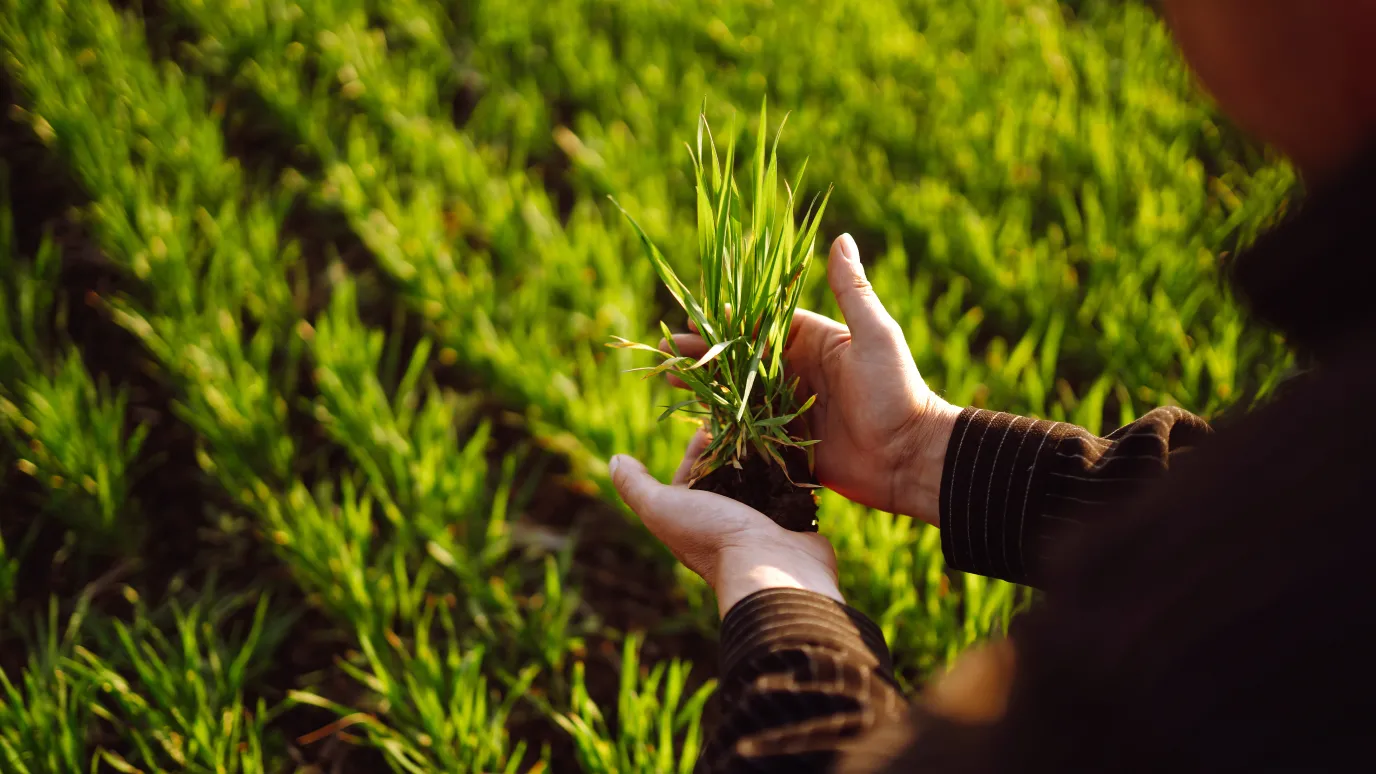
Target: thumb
(634,483)
(865,315)
(661,508)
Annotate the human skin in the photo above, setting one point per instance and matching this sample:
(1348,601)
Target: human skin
(882,431)
(1298,74)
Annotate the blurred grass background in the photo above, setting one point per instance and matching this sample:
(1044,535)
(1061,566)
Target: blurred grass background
(304,398)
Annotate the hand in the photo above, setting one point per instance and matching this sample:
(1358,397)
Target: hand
(735,548)
(883,433)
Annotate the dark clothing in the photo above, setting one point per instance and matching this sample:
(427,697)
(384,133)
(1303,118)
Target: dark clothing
(801,673)
(1213,619)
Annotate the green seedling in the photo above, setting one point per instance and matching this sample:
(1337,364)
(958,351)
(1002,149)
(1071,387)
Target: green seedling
(657,726)
(754,260)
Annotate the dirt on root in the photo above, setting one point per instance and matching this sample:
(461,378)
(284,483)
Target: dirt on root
(761,484)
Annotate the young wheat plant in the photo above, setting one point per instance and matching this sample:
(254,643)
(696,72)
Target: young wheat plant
(754,262)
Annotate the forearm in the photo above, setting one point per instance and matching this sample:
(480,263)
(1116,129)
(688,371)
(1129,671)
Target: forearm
(733,586)
(802,674)
(1009,486)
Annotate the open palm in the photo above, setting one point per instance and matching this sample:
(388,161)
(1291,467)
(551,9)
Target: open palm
(880,426)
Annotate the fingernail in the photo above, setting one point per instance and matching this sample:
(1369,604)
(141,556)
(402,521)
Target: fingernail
(848,247)
(852,253)
(613,464)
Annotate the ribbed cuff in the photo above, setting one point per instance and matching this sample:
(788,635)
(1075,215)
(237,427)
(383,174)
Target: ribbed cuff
(992,489)
(772,619)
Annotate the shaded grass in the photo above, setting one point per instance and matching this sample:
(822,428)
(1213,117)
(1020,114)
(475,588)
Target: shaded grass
(367,342)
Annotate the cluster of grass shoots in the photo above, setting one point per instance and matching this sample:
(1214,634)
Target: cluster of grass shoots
(1021,227)
(754,260)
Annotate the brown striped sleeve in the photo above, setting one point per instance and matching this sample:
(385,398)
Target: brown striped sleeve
(1011,485)
(801,674)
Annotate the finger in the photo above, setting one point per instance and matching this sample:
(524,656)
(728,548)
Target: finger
(667,511)
(865,315)
(690,457)
(688,344)
(638,489)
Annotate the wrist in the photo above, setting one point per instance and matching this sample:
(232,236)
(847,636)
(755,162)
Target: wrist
(739,576)
(917,480)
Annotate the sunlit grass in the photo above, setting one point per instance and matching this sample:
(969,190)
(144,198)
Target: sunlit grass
(1047,250)
(755,261)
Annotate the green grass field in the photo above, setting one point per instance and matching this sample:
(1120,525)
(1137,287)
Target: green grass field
(305,403)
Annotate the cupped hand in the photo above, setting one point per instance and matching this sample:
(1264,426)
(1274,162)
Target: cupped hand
(733,547)
(882,431)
